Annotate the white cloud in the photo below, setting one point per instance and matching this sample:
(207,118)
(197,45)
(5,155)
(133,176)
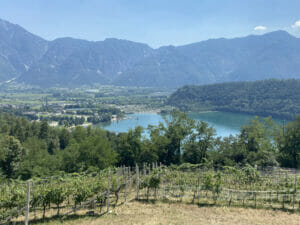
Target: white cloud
(260,28)
(296,24)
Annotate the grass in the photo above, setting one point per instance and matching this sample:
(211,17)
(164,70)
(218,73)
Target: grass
(145,213)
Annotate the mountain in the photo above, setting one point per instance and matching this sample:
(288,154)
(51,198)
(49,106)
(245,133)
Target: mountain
(272,97)
(166,67)
(273,55)
(73,62)
(19,50)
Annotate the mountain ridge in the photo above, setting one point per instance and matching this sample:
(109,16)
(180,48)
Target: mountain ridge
(74,62)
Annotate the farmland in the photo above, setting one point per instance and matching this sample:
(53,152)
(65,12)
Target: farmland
(110,193)
(80,106)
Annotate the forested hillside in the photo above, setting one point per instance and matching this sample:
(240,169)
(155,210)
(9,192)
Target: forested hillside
(277,98)
(35,149)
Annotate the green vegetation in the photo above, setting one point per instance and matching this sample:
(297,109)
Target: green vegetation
(34,149)
(277,98)
(60,191)
(63,194)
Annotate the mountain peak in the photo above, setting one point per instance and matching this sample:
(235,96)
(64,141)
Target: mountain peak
(279,34)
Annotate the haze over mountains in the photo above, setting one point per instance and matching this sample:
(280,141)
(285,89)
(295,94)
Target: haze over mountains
(32,60)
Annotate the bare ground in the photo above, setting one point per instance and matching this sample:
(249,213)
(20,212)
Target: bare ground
(139,213)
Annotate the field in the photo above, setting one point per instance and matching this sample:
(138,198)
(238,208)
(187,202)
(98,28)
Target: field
(178,213)
(81,106)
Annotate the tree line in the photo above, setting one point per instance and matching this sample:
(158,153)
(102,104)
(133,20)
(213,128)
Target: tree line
(30,149)
(277,98)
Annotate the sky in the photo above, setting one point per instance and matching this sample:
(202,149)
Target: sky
(154,22)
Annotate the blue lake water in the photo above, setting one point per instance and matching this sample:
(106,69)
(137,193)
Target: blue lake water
(225,123)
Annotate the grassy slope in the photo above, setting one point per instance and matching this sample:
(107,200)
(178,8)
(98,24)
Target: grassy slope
(163,213)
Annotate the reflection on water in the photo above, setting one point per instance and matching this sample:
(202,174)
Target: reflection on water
(224,123)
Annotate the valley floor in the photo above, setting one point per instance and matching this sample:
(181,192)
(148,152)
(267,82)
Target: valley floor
(140,213)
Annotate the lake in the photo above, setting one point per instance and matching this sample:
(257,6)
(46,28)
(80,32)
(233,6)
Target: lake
(225,123)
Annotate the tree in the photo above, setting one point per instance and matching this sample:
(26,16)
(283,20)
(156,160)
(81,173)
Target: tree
(130,146)
(96,151)
(44,130)
(228,152)
(289,145)
(148,153)
(199,143)
(179,126)
(259,141)
(11,153)
(36,161)
(159,142)
(64,138)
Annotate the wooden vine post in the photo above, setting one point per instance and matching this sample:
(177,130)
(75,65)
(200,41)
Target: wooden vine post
(198,188)
(255,199)
(277,187)
(126,175)
(137,182)
(27,203)
(108,190)
(118,177)
(270,198)
(144,169)
(230,198)
(130,178)
(295,190)
(283,199)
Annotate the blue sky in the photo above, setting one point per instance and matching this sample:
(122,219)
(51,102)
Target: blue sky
(155,22)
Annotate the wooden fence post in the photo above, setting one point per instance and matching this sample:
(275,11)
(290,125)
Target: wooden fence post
(126,183)
(198,189)
(277,187)
(130,179)
(295,190)
(108,190)
(27,203)
(283,199)
(230,198)
(137,182)
(270,199)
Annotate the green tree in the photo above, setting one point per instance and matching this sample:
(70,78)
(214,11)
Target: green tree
(130,147)
(169,137)
(44,130)
(259,141)
(96,151)
(36,161)
(199,142)
(11,153)
(64,138)
(289,145)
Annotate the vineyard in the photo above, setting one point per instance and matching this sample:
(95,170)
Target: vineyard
(98,193)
